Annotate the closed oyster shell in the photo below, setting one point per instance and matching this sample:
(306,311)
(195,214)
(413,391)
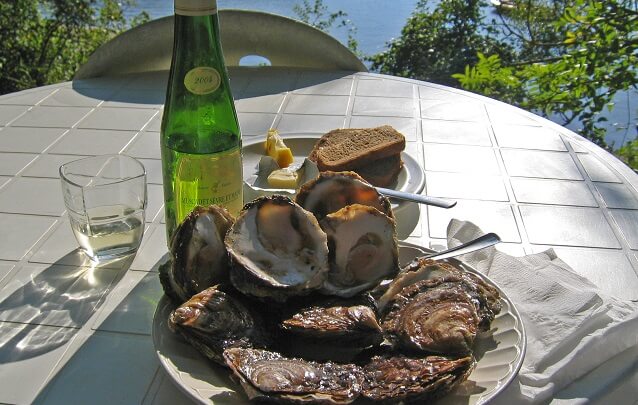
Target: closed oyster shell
(332,191)
(363,249)
(435,319)
(266,375)
(277,250)
(214,320)
(346,323)
(402,379)
(485,297)
(198,255)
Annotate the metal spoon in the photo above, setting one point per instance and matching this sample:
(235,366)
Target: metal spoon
(421,199)
(489,239)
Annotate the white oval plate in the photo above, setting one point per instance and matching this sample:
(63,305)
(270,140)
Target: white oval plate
(411,178)
(499,353)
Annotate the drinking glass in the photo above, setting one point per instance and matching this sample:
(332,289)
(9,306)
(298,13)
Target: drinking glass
(105,197)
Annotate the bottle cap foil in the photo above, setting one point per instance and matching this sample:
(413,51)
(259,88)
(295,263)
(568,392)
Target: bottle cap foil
(195,7)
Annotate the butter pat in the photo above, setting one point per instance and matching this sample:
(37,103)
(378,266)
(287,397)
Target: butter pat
(283,178)
(277,149)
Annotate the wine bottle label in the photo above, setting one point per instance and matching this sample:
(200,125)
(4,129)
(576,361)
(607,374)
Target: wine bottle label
(195,7)
(202,80)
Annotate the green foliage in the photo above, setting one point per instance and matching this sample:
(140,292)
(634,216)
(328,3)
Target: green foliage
(46,41)
(317,15)
(629,154)
(434,44)
(561,58)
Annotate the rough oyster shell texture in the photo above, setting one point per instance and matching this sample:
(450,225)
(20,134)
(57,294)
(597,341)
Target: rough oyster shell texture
(198,255)
(285,257)
(214,320)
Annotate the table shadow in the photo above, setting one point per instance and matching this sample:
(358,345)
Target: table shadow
(247,82)
(48,308)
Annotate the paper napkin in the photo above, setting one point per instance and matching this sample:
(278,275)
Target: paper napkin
(572,327)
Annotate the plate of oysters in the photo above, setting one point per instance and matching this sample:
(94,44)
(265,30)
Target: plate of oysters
(312,299)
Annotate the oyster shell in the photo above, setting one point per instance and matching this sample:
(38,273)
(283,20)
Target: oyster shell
(348,323)
(401,379)
(266,375)
(485,297)
(332,191)
(214,320)
(439,318)
(277,249)
(198,255)
(363,249)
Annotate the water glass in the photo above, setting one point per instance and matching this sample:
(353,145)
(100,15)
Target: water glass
(105,197)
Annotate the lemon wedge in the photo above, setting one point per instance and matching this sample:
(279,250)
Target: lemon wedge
(277,149)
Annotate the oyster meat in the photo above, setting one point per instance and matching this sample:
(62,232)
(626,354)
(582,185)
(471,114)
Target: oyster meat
(266,375)
(347,323)
(401,379)
(214,320)
(198,255)
(363,249)
(277,250)
(332,191)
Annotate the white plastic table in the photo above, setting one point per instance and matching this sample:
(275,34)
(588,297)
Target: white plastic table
(74,333)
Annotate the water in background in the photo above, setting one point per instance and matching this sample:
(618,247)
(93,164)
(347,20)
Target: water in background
(378,22)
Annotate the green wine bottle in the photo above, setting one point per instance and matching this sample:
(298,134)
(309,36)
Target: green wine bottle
(200,136)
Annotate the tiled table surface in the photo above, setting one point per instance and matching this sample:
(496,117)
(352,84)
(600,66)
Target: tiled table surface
(74,333)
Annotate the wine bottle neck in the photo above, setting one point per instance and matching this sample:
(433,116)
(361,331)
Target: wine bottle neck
(195,7)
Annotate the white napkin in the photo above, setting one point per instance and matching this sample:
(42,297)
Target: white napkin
(572,328)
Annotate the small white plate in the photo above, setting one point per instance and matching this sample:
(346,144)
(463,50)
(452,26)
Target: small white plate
(499,354)
(411,178)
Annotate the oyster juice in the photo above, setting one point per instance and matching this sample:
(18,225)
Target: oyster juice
(108,231)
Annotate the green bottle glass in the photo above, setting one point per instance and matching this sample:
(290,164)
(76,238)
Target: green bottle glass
(200,135)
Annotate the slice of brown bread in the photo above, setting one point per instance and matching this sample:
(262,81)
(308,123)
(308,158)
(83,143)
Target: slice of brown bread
(382,172)
(347,149)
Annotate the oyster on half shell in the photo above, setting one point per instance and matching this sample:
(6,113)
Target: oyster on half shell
(332,191)
(198,255)
(277,250)
(363,249)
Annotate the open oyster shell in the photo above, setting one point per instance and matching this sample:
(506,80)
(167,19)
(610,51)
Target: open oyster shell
(363,249)
(266,375)
(402,379)
(214,320)
(332,191)
(198,255)
(277,250)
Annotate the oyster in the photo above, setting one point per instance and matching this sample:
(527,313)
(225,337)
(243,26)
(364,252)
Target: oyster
(277,249)
(348,323)
(439,318)
(363,249)
(332,191)
(214,320)
(401,379)
(266,375)
(198,255)
(485,297)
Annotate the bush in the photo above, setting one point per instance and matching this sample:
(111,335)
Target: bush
(46,41)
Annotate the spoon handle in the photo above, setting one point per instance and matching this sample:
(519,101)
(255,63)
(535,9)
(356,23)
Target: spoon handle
(481,242)
(422,199)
